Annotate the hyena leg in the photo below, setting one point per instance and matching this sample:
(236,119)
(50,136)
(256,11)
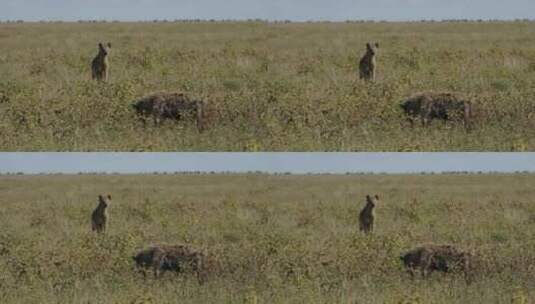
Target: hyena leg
(411,121)
(364,73)
(156,120)
(158,260)
(200,116)
(467,124)
(157,268)
(425,122)
(411,271)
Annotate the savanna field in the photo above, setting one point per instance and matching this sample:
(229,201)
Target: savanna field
(271,239)
(271,87)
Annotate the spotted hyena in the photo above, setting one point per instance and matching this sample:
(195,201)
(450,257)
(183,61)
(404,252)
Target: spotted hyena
(430,257)
(438,105)
(166,105)
(367,215)
(177,258)
(100,65)
(368,63)
(99,217)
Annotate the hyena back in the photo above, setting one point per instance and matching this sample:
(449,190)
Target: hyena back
(177,258)
(166,105)
(444,258)
(99,217)
(100,65)
(368,63)
(438,105)
(367,215)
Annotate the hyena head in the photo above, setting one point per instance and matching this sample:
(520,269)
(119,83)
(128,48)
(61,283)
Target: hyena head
(143,258)
(371,48)
(104,50)
(104,200)
(404,258)
(372,201)
(412,106)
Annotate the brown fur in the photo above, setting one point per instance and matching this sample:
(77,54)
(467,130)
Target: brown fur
(100,65)
(430,257)
(99,217)
(367,215)
(166,105)
(438,105)
(178,258)
(368,63)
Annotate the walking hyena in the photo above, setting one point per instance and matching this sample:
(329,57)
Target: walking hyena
(438,105)
(100,65)
(367,215)
(166,105)
(178,258)
(99,217)
(430,257)
(368,64)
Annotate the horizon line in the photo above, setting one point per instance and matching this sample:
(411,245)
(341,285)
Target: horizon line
(525,172)
(262,20)
(281,162)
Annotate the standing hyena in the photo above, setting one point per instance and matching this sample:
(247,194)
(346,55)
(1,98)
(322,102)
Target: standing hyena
(367,215)
(438,105)
(100,65)
(368,64)
(99,217)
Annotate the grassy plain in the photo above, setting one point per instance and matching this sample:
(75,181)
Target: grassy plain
(272,87)
(275,239)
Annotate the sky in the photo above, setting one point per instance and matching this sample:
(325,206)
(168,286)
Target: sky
(297,163)
(297,10)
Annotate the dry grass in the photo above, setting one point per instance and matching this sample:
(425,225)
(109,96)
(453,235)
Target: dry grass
(274,239)
(272,87)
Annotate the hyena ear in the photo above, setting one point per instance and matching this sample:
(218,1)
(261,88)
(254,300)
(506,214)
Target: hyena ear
(377,44)
(368,197)
(109,196)
(377,197)
(109,45)
(368,46)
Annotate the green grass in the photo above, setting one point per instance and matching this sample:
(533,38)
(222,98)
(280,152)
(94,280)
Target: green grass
(275,239)
(272,87)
